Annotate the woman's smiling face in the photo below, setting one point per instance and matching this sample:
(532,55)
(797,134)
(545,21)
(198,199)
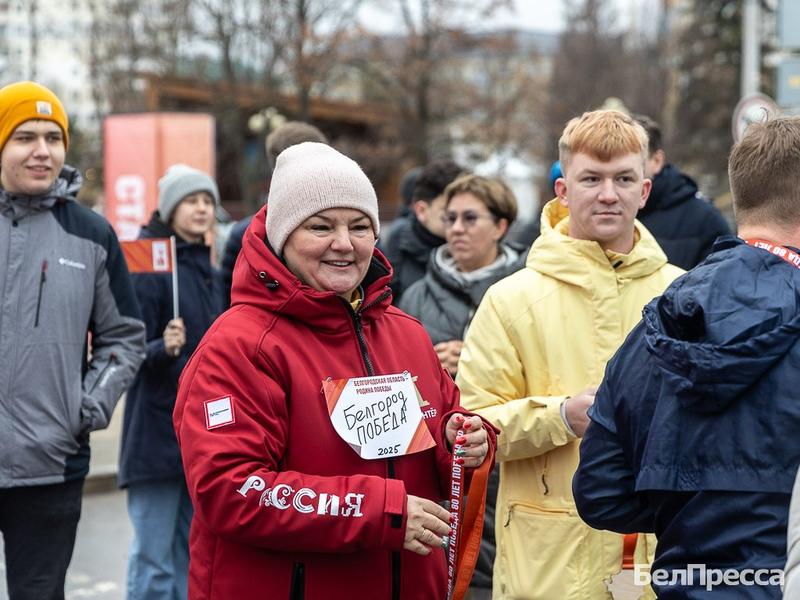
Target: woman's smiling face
(331,250)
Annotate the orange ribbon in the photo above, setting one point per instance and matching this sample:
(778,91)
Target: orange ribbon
(466,533)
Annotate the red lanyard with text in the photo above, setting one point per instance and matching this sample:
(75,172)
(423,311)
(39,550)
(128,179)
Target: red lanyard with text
(789,256)
(456,499)
(465,522)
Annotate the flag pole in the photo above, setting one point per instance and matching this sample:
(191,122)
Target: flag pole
(174,257)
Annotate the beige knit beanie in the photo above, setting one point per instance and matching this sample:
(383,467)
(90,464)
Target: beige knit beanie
(312,177)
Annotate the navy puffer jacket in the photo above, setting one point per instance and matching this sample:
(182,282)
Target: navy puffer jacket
(149,448)
(684,222)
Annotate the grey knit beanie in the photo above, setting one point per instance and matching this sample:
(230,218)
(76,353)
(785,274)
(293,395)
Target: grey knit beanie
(312,177)
(178,182)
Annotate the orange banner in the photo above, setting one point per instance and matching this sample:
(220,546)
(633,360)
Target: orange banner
(148,256)
(138,149)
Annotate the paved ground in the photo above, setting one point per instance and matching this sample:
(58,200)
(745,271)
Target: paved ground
(98,564)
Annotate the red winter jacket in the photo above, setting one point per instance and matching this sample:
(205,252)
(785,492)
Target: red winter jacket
(285,509)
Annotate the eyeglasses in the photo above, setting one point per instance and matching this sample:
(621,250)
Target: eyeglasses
(468,218)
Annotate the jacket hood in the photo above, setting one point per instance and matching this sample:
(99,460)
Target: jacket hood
(670,188)
(68,184)
(262,279)
(443,271)
(711,356)
(556,254)
(414,240)
(156,228)
(65,189)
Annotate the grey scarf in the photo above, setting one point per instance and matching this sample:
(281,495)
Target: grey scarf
(16,206)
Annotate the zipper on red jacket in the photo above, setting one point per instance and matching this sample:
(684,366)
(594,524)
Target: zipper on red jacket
(297,591)
(362,345)
(42,279)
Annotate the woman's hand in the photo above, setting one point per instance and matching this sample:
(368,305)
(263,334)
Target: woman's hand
(427,523)
(449,353)
(174,337)
(474,444)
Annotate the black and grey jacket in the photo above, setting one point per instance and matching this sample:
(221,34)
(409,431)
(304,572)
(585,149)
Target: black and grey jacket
(62,275)
(409,249)
(445,300)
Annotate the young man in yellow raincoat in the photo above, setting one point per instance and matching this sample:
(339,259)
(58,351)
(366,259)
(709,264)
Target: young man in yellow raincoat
(538,346)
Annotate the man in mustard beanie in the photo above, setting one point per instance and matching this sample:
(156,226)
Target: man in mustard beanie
(63,277)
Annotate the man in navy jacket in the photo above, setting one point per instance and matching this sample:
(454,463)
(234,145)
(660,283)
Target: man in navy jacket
(694,428)
(684,222)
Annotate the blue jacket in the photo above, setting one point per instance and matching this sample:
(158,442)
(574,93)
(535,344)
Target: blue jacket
(149,449)
(694,428)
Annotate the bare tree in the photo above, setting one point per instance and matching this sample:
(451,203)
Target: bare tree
(598,58)
(33,25)
(502,104)
(415,72)
(310,34)
(281,46)
(224,26)
(708,60)
(129,37)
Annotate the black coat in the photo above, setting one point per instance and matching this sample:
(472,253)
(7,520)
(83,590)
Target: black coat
(408,249)
(694,428)
(229,255)
(149,449)
(682,220)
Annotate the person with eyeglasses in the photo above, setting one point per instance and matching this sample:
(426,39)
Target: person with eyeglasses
(477,214)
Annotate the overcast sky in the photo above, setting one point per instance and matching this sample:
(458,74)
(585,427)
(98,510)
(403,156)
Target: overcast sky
(540,15)
(529,14)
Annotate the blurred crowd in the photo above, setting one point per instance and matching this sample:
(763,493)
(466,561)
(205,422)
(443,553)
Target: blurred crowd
(610,386)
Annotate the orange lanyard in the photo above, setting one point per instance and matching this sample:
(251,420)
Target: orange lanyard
(466,522)
(628,549)
(456,500)
(786,254)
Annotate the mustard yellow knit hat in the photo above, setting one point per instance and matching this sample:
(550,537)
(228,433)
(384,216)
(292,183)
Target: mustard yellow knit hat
(26,101)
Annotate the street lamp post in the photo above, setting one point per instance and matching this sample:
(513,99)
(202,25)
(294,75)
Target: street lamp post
(751,48)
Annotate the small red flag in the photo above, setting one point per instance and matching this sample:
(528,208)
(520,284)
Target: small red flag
(148,256)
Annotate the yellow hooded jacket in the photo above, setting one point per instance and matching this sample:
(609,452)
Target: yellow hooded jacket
(540,335)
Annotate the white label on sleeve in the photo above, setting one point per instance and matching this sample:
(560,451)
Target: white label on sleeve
(219,412)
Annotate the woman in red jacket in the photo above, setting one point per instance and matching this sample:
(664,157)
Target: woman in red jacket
(314,418)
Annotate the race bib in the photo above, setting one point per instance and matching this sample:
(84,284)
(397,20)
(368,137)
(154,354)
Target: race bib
(378,416)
